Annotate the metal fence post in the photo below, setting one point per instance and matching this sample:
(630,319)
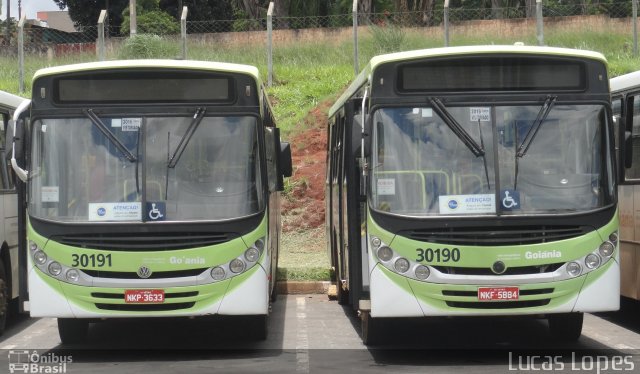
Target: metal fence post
(446,23)
(133,22)
(539,23)
(21,52)
(103,15)
(183,31)
(634,6)
(270,45)
(355,37)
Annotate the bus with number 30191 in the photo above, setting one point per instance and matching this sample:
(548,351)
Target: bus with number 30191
(475,181)
(152,190)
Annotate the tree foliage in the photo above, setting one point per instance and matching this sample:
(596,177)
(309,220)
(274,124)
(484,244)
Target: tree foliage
(86,12)
(150,19)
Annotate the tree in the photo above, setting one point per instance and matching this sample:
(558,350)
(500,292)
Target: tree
(150,19)
(199,10)
(86,12)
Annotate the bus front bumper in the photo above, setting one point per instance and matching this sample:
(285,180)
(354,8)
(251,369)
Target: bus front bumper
(393,295)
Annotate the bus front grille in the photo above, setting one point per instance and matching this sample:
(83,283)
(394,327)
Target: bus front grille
(516,270)
(134,275)
(145,241)
(496,236)
(498,304)
(144,307)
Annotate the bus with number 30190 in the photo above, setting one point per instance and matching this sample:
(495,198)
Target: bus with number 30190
(475,181)
(152,190)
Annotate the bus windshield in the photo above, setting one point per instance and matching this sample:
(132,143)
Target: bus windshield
(421,167)
(79,174)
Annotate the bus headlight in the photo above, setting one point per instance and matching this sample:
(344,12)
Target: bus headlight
(606,249)
(259,244)
(236,265)
(252,254)
(401,265)
(72,275)
(40,257)
(574,269)
(592,261)
(422,272)
(613,237)
(385,253)
(33,246)
(217,273)
(376,242)
(55,268)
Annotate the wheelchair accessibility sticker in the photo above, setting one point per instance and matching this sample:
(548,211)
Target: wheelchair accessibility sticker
(510,199)
(156,211)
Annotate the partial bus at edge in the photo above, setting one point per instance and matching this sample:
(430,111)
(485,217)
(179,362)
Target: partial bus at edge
(475,181)
(152,190)
(625,99)
(10,257)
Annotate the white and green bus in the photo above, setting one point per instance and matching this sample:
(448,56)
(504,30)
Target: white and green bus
(625,99)
(152,190)
(475,181)
(11,259)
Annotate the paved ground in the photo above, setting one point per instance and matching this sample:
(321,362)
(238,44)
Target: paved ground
(309,333)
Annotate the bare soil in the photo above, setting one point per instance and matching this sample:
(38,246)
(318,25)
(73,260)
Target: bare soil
(303,203)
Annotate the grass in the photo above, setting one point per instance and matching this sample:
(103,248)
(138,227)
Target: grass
(303,256)
(306,74)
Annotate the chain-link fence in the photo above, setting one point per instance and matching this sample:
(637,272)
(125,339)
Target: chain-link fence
(84,45)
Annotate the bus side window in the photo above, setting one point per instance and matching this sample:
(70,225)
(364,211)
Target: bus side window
(633,173)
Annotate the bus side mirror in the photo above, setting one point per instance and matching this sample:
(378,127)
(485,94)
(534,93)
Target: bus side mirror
(366,137)
(628,149)
(8,137)
(285,163)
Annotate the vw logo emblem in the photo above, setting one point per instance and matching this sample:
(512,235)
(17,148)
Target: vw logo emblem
(144,272)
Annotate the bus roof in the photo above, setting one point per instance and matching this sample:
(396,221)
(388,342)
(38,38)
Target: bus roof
(171,64)
(376,61)
(625,82)
(10,101)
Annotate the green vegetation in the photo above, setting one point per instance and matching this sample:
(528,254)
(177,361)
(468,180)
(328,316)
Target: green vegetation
(147,46)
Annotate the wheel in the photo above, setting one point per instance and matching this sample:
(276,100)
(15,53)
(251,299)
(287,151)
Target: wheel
(370,329)
(258,326)
(4,297)
(72,330)
(566,327)
(342,294)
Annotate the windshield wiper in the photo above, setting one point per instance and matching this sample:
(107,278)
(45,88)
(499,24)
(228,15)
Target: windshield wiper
(197,118)
(457,129)
(97,122)
(533,131)
(531,134)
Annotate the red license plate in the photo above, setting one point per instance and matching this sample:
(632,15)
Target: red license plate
(498,293)
(144,296)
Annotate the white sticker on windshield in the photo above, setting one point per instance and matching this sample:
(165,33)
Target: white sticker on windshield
(115,211)
(50,194)
(386,186)
(480,114)
(467,204)
(131,124)
(116,122)
(43,128)
(427,112)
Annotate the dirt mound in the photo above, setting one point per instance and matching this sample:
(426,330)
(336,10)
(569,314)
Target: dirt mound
(303,202)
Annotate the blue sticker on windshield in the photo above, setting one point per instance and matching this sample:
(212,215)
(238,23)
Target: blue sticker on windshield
(156,211)
(510,199)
